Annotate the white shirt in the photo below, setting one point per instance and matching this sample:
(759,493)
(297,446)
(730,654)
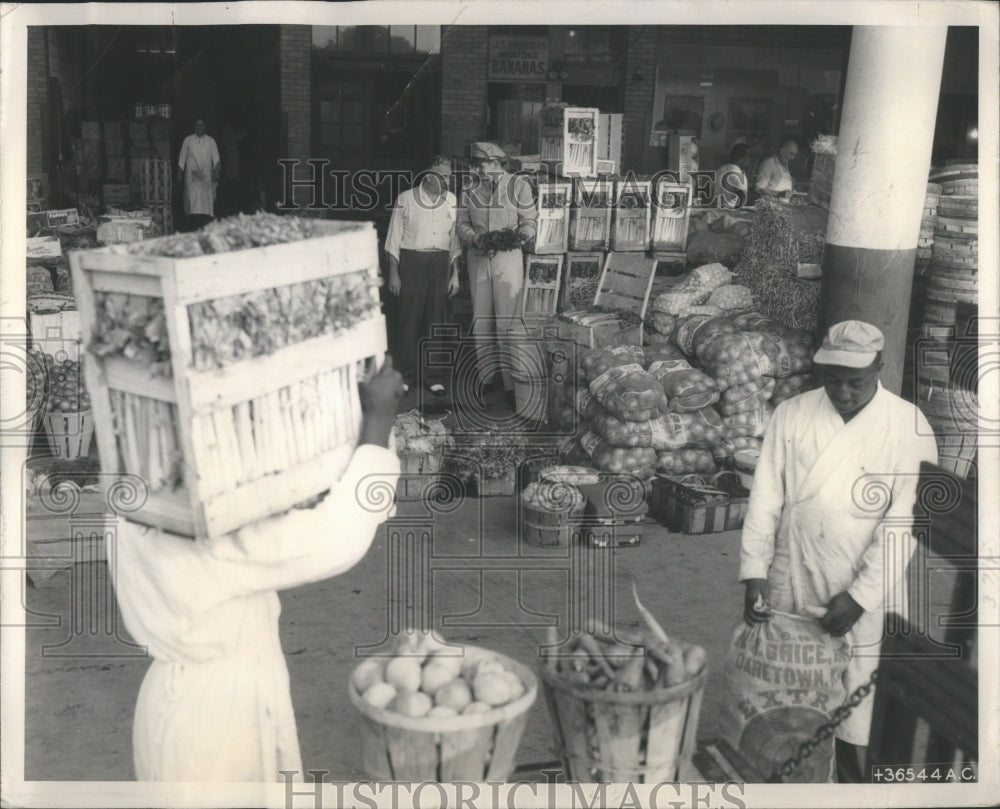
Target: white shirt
(420,223)
(772,176)
(199,155)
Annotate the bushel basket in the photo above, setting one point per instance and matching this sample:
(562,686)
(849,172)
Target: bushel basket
(640,737)
(476,747)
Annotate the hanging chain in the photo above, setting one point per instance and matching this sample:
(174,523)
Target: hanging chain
(824,731)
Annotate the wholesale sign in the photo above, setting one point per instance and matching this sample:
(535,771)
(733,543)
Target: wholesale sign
(518,58)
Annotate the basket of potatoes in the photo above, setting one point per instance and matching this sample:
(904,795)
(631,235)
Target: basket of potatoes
(434,711)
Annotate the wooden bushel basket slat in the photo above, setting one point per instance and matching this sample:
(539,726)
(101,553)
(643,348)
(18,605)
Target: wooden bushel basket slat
(543,528)
(643,737)
(478,747)
(69,434)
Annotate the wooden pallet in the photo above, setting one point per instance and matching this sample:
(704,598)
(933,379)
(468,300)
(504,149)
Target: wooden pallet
(257,436)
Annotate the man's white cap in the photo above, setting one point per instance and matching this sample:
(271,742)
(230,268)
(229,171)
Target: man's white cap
(484,150)
(850,344)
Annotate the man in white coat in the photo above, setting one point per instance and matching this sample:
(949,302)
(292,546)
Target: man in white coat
(498,200)
(200,167)
(215,704)
(831,508)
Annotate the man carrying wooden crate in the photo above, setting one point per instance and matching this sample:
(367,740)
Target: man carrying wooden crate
(422,245)
(829,523)
(215,704)
(496,201)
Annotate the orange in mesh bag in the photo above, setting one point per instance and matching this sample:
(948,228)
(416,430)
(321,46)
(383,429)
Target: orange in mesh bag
(784,678)
(629,393)
(687,389)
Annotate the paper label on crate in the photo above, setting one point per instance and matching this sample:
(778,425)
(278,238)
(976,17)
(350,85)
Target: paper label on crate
(590,442)
(662,434)
(583,398)
(780,357)
(599,385)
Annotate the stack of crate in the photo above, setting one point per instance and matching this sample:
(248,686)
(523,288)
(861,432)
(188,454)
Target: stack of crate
(116,164)
(90,152)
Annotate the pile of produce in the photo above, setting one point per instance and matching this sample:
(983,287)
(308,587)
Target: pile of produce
(133,326)
(416,435)
(720,378)
(240,232)
(428,678)
(554,497)
(498,241)
(625,661)
(66,391)
(495,454)
(542,272)
(781,238)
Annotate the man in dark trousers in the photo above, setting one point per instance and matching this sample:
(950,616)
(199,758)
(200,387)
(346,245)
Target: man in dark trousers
(423,251)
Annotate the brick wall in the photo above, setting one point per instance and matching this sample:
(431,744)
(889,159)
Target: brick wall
(295,61)
(641,56)
(464,59)
(38,73)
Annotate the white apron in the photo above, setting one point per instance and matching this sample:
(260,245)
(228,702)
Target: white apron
(841,483)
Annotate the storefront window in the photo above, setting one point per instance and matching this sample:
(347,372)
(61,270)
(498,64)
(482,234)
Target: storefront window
(378,39)
(591,44)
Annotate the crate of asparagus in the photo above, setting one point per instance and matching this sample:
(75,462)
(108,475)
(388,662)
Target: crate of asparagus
(671,215)
(581,272)
(553,217)
(568,138)
(224,364)
(590,217)
(621,298)
(632,216)
(540,294)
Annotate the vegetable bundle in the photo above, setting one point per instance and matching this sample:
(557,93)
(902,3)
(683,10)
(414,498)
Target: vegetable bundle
(687,389)
(542,272)
(133,326)
(630,393)
(623,660)
(240,232)
(494,242)
(416,435)
(231,329)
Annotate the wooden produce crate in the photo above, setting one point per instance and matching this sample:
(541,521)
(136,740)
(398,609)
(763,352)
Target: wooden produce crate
(632,216)
(553,217)
(540,294)
(581,272)
(569,139)
(696,505)
(671,216)
(225,439)
(625,285)
(590,217)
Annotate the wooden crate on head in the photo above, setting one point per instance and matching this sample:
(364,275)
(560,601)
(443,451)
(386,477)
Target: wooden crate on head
(242,422)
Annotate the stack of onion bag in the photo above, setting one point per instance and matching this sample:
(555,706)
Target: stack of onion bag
(643,411)
(706,290)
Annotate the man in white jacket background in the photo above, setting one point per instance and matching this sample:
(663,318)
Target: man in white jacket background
(831,508)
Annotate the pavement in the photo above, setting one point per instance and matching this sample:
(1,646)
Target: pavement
(83,673)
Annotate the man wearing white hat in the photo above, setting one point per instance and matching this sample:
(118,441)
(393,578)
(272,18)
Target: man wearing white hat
(497,200)
(814,538)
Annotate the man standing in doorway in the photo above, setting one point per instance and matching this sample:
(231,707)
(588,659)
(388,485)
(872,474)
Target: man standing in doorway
(814,537)
(199,167)
(497,200)
(423,251)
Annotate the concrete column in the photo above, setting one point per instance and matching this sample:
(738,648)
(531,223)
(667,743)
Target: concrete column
(883,158)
